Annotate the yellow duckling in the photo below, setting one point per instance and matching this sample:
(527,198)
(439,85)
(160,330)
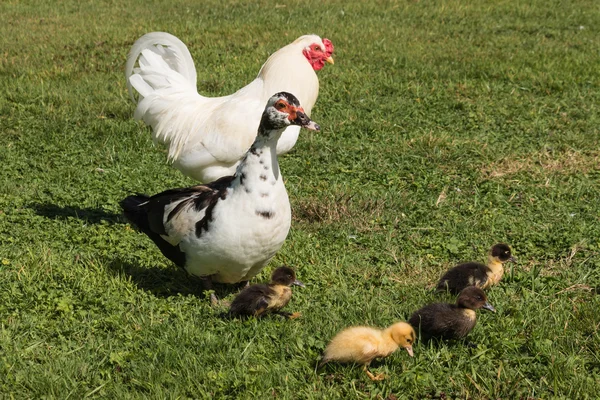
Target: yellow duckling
(362,344)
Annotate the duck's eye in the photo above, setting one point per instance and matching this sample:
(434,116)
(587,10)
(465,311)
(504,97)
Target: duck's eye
(280,105)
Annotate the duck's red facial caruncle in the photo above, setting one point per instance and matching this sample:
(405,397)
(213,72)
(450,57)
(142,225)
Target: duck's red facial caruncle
(296,115)
(317,54)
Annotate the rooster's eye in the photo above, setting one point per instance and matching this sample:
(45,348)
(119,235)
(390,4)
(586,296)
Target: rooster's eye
(317,48)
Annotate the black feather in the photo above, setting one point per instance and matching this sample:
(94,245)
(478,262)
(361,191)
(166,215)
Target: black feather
(448,321)
(135,208)
(252,300)
(441,320)
(463,275)
(147,213)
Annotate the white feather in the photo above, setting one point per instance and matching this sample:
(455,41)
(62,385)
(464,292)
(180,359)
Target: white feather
(207,136)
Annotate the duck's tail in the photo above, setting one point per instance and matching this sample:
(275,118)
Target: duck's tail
(134,213)
(137,215)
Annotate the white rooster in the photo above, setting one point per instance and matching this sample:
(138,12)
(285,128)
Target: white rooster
(207,136)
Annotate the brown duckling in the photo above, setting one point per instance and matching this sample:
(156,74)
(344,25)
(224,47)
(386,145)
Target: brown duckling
(362,344)
(263,298)
(477,274)
(450,321)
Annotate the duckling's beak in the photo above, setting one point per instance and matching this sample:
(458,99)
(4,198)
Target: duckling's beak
(298,283)
(409,351)
(512,259)
(488,306)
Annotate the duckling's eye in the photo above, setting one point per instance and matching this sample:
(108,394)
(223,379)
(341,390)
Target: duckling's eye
(409,341)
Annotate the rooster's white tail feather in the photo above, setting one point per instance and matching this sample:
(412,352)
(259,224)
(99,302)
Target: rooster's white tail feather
(165,80)
(170,49)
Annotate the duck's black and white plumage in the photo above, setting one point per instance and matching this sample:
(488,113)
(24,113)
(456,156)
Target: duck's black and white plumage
(260,299)
(229,229)
(450,321)
(477,274)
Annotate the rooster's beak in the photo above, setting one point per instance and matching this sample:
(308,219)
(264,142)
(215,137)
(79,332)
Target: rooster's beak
(330,60)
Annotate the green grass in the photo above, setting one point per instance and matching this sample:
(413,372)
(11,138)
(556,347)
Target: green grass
(448,126)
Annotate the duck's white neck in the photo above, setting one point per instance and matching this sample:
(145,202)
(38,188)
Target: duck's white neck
(259,170)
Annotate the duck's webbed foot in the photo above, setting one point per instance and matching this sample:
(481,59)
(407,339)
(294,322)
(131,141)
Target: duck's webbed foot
(378,377)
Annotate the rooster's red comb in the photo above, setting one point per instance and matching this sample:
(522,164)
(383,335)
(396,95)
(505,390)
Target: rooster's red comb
(328,47)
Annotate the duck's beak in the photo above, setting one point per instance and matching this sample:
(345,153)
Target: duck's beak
(305,122)
(488,306)
(409,350)
(330,60)
(298,283)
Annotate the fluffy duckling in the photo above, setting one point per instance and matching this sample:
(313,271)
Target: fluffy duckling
(477,274)
(450,321)
(261,298)
(362,344)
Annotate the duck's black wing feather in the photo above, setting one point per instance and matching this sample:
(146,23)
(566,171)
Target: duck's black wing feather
(147,212)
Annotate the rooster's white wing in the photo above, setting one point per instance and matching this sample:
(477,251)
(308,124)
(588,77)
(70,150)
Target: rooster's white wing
(170,103)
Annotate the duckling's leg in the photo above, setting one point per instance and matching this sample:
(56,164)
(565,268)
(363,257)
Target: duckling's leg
(379,377)
(259,311)
(322,362)
(288,315)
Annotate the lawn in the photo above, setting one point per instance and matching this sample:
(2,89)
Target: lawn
(448,126)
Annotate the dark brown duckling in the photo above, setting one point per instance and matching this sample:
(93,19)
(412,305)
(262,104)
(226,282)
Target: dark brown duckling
(261,298)
(450,321)
(477,274)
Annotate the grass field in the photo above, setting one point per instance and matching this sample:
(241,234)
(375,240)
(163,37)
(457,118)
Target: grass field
(448,126)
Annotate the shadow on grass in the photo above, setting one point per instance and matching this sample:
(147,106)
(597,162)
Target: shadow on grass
(90,215)
(168,282)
